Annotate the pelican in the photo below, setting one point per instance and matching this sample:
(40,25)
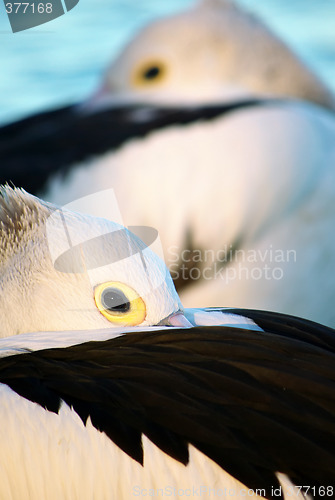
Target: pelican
(140,397)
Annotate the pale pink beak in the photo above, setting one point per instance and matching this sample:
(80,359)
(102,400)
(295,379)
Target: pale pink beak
(97,99)
(177,320)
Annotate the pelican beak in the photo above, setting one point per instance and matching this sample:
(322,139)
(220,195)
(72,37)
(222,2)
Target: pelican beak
(177,319)
(99,99)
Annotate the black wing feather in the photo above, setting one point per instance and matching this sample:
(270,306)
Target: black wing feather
(290,326)
(256,403)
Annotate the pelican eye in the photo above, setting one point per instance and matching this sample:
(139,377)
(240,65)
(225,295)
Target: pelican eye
(114,300)
(149,73)
(119,303)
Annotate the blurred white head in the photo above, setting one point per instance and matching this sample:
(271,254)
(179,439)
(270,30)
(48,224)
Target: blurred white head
(213,52)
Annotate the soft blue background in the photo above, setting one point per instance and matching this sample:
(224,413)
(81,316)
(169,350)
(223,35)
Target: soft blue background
(62,61)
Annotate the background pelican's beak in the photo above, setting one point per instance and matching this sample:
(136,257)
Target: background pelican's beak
(176,319)
(99,99)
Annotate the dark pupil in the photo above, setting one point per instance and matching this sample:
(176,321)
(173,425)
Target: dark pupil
(114,300)
(151,73)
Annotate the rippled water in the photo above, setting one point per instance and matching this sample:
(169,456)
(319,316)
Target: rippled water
(62,61)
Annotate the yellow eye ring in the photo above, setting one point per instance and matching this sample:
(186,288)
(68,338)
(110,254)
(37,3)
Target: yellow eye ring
(149,73)
(119,303)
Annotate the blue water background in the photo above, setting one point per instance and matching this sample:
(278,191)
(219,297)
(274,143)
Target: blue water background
(62,61)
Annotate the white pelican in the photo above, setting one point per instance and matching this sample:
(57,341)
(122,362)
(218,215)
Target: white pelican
(110,411)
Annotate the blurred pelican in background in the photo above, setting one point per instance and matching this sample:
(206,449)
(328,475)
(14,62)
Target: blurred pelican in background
(210,129)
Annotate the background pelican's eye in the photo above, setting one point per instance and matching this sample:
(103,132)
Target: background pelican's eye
(149,73)
(119,303)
